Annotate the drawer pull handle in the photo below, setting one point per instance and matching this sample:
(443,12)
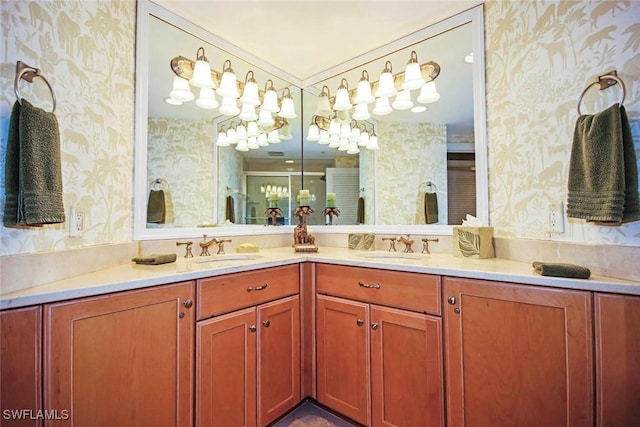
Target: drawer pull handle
(187,303)
(364,285)
(374,326)
(360,322)
(452,300)
(266,323)
(252,328)
(256,288)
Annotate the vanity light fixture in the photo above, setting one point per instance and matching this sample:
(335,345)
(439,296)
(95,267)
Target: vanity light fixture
(386,86)
(222,140)
(413,74)
(363,93)
(180,90)
(403,100)
(250,135)
(469,58)
(428,93)
(228,82)
(324,106)
(250,93)
(201,71)
(287,111)
(270,102)
(207,99)
(342,102)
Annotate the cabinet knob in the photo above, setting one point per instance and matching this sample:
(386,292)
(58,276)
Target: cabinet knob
(257,288)
(266,323)
(374,325)
(452,300)
(252,328)
(367,286)
(181,315)
(187,303)
(360,322)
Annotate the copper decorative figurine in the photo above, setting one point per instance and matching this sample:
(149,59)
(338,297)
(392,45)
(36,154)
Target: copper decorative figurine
(273,213)
(331,212)
(303,241)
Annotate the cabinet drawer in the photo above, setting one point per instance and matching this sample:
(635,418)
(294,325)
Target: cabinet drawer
(222,294)
(410,291)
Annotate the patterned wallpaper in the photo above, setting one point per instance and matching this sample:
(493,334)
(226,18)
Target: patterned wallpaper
(540,55)
(232,178)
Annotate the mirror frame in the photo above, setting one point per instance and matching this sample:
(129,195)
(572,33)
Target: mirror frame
(141,232)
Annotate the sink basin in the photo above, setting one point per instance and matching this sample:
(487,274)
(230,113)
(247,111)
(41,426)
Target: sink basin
(391,256)
(226,258)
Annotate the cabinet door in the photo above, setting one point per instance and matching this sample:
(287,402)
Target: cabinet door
(517,356)
(617,360)
(121,360)
(20,368)
(278,358)
(343,357)
(406,369)
(226,370)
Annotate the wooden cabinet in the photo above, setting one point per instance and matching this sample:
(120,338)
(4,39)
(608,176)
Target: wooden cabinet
(123,359)
(248,360)
(617,335)
(379,365)
(517,355)
(20,367)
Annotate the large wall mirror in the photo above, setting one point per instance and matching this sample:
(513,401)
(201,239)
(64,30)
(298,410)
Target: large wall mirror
(437,155)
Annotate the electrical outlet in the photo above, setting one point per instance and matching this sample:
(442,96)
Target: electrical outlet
(556,218)
(76,223)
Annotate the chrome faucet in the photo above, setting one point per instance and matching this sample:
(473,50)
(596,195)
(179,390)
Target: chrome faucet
(204,245)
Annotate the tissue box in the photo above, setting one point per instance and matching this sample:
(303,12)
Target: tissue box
(473,242)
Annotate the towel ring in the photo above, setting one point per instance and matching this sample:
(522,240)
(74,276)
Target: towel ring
(28,73)
(430,187)
(159,184)
(605,81)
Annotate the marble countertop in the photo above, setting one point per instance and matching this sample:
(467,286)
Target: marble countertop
(132,276)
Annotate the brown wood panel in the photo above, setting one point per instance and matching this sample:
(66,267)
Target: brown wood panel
(517,355)
(226,370)
(411,291)
(20,367)
(121,360)
(224,294)
(343,357)
(308,330)
(617,327)
(278,358)
(407,378)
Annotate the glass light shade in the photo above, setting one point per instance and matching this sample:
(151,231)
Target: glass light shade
(231,136)
(250,94)
(419,109)
(345,131)
(334,127)
(172,101)
(252,143)
(386,85)
(363,93)
(287,111)
(428,93)
(252,129)
(265,119)
(403,100)
(361,112)
(248,113)
(412,77)
(241,133)
(324,137)
(334,141)
(270,102)
(382,106)
(342,102)
(353,148)
(314,133)
(262,140)
(222,139)
(180,90)
(228,85)
(285,132)
(242,145)
(273,137)
(229,106)
(207,99)
(324,107)
(344,144)
(355,134)
(373,143)
(364,139)
(202,75)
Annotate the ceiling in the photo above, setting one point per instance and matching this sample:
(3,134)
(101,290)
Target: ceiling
(304,38)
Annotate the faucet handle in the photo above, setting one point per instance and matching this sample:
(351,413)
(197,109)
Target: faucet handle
(188,253)
(221,243)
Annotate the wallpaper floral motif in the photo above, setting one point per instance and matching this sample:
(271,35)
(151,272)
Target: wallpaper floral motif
(540,56)
(86,51)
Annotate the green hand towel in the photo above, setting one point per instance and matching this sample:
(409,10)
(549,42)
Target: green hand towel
(156,207)
(230,209)
(155,259)
(561,270)
(360,211)
(33,173)
(431,208)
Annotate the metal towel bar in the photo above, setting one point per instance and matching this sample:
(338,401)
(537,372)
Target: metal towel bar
(28,73)
(605,81)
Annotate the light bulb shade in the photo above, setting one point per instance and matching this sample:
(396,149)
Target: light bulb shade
(342,102)
(252,129)
(353,148)
(262,140)
(386,85)
(180,90)
(270,102)
(273,137)
(207,99)
(250,94)
(242,145)
(231,136)
(361,112)
(382,106)
(412,77)
(428,93)
(222,141)
(355,134)
(202,74)
(364,139)
(334,141)
(265,119)
(229,106)
(345,131)
(363,93)
(403,100)
(324,137)
(373,143)
(241,133)
(287,111)
(334,127)
(314,133)
(285,132)
(344,144)
(252,143)
(172,101)
(248,113)
(228,85)
(324,106)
